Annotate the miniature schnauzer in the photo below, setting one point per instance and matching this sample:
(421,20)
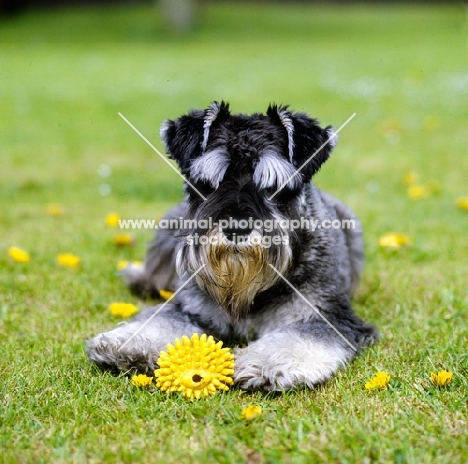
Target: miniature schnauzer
(247,267)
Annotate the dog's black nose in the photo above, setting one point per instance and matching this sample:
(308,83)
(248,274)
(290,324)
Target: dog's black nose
(235,234)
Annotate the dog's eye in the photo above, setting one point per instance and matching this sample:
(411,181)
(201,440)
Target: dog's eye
(203,187)
(281,196)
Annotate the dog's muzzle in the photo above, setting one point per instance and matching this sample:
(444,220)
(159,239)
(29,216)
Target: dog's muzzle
(237,265)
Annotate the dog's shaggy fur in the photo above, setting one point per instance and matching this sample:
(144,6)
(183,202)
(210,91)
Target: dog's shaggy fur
(289,302)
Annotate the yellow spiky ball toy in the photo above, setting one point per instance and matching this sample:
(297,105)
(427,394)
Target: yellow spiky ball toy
(197,367)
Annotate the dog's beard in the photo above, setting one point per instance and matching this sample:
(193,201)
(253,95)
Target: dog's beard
(234,273)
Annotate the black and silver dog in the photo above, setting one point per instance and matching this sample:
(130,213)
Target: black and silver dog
(252,269)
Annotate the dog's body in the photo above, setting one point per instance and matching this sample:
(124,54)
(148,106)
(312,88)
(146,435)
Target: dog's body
(290,300)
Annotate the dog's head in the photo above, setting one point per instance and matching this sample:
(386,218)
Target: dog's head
(246,175)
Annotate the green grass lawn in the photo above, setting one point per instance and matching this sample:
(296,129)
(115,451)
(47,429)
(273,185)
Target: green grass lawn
(64,76)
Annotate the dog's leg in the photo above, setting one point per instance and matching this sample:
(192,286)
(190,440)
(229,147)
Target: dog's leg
(304,355)
(136,345)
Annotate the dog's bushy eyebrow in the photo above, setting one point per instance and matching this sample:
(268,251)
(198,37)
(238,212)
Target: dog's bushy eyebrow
(273,170)
(210,167)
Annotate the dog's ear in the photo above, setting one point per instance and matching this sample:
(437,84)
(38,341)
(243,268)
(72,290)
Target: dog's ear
(215,114)
(182,138)
(309,146)
(187,137)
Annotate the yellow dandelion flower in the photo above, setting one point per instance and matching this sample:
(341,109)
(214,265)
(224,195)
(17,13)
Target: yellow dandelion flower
(18,255)
(123,239)
(196,366)
(410,177)
(462,202)
(68,260)
(442,378)
(123,264)
(54,209)
(393,240)
(380,380)
(251,412)
(141,380)
(122,309)
(417,191)
(112,220)
(165,294)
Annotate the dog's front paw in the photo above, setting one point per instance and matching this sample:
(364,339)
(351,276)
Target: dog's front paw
(119,352)
(285,361)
